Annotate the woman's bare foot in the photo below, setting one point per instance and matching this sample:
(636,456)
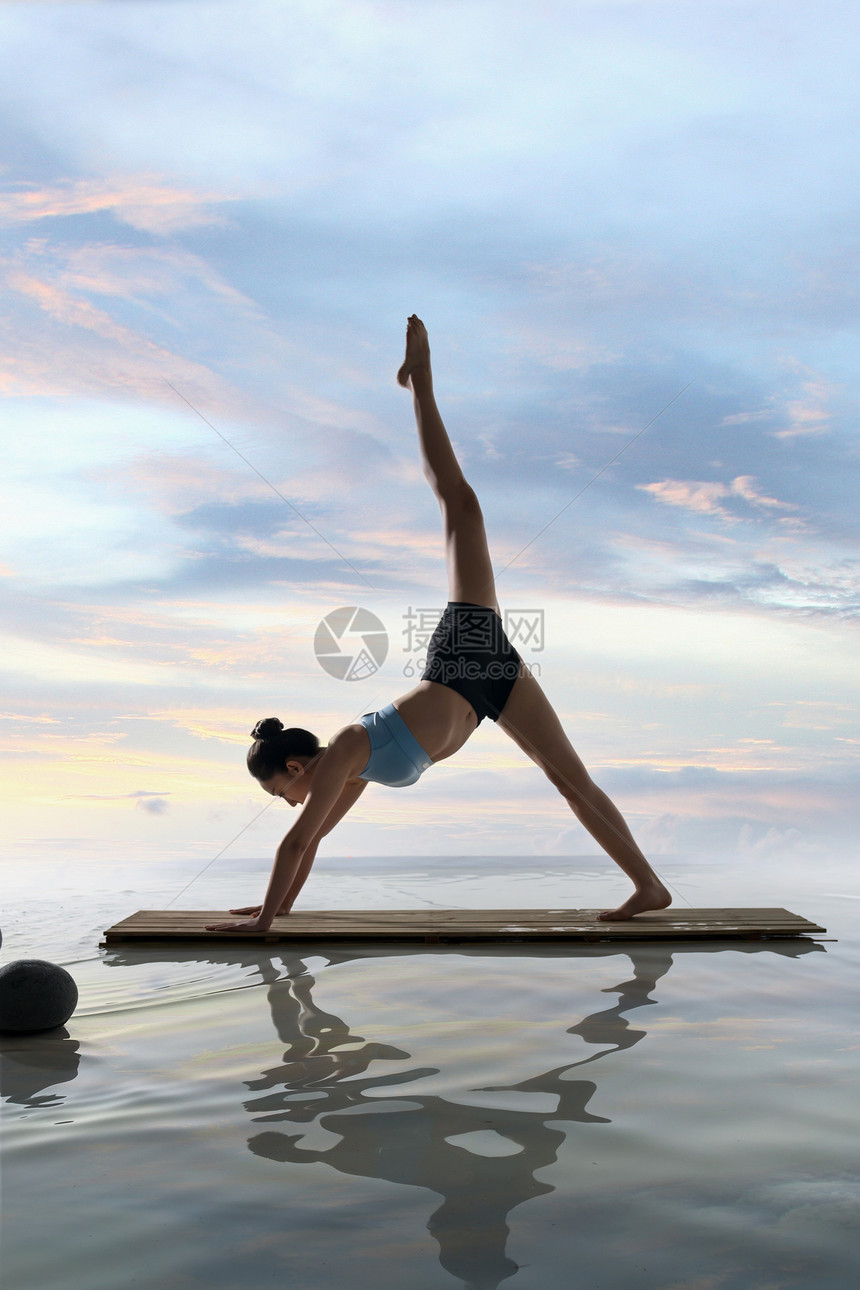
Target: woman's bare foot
(654,896)
(417,350)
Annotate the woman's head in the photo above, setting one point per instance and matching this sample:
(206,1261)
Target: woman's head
(276,750)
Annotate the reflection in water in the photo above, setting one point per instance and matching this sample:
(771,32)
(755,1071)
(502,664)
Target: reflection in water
(406,1140)
(610,1026)
(320,1105)
(29,1064)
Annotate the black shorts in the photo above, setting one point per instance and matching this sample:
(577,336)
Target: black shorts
(470,653)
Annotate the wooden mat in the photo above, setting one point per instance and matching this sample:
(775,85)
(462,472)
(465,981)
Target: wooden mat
(447,926)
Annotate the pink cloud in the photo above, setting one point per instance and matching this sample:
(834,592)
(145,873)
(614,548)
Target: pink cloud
(806,417)
(143,201)
(744,486)
(704,497)
(692,495)
(134,272)
(60,343)
(807,414)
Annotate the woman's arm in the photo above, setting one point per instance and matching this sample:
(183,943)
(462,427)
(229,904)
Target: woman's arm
(326,804)
(254,911)
(352,791)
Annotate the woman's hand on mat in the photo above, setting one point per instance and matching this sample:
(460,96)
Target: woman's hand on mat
(244,925)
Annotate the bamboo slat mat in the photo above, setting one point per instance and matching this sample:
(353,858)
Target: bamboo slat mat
(446,926)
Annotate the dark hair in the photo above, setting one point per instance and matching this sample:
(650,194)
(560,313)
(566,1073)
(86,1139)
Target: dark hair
(273,747)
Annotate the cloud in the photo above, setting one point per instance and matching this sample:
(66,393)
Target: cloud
(123,320)
(226,725)
(176,483)
(704,498)
(67,308)
(128,322)
(146,203)
(152,805)
(817,714)
(807,414)
(744,486)
(763,796)
(568,461)
(773,841)
(141,273)
(29,718)
(64,344)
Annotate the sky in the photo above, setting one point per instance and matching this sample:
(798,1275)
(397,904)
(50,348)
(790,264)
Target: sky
(632,231)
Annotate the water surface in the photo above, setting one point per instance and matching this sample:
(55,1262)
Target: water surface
(678,1117)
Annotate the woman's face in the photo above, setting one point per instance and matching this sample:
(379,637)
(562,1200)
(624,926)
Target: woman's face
(292,784)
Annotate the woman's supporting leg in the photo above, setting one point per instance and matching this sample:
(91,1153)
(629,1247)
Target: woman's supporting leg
(470,571)
(531,721)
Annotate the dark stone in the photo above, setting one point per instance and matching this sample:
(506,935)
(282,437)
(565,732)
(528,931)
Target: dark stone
(35,995)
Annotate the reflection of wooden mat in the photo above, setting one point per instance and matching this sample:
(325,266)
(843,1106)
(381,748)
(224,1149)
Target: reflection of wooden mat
(439,926)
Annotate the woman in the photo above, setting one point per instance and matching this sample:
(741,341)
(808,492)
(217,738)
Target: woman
(472,671)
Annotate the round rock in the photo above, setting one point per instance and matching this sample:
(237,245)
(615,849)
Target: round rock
(35,995)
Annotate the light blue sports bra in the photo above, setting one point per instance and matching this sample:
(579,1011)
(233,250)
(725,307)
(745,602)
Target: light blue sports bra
(396,757)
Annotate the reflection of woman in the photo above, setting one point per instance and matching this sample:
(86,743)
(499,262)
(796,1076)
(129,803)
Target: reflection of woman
(385,1123)
(472,672)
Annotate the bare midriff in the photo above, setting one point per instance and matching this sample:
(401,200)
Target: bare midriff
(439,718)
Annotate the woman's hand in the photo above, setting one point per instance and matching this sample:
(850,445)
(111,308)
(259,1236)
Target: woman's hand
(246,925)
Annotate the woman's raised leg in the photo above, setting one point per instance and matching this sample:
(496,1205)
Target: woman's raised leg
(530,720)
(470,571)
(528,717)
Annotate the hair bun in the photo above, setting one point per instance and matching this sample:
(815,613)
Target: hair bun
(268,728)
